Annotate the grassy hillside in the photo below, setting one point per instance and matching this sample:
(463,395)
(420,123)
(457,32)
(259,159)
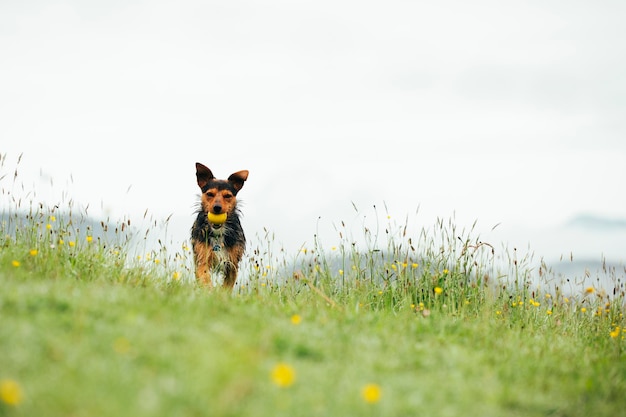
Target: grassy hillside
(428,324)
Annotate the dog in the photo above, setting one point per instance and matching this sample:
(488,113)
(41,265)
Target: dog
(218,247)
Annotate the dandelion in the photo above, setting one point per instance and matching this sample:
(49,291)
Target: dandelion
(438,290)
(16,263)
(341,272)
(583,310)
(53,219)
(498,312)
(33,252)
(10,392)
(72,243)
(394,267)
(371,393)
(589,290)
(89,239)
(615,332)
(333,248)
(176,276)
(48,226)
(296,319)
(549,312)
(283,375)
(414,265)
(445,271)
(61,241)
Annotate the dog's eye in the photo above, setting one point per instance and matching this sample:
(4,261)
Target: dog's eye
(210,194)
(228,196)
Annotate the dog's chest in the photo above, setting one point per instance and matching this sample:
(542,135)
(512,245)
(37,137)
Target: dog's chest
(220,254)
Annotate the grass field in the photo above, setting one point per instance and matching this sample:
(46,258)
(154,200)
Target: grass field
(432,324)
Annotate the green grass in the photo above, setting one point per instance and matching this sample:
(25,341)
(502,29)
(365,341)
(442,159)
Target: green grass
(440,322)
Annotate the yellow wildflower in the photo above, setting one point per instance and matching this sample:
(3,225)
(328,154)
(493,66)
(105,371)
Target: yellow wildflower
(16,263)
(283,375)
(438,290)
(615,332)
(10,392)
(371,393)
(34,252)
(296,319)
(589,290)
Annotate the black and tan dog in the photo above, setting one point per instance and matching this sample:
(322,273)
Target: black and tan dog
(217,236)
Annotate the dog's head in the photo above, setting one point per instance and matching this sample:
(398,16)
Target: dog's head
(219,196)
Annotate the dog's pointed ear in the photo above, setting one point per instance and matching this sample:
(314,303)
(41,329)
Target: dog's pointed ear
(238,178)
(203,174)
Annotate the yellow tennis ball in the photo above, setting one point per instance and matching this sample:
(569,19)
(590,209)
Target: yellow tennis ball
(217,218)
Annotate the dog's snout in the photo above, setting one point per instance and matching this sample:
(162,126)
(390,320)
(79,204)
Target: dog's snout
(217,209)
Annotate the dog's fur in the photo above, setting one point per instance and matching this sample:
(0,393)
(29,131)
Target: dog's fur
(218,248)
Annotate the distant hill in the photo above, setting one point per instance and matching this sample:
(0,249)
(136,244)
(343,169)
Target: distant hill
(79,225)
(590,221)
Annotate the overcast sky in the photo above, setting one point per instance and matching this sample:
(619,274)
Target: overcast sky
(507,112)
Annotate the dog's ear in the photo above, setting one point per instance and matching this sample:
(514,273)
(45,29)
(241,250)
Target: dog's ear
(238,178)
(203,174)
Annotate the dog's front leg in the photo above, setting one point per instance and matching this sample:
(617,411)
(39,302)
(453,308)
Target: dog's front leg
(230,275)
(203,256)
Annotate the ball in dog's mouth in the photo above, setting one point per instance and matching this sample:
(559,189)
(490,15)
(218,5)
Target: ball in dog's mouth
(217,218)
